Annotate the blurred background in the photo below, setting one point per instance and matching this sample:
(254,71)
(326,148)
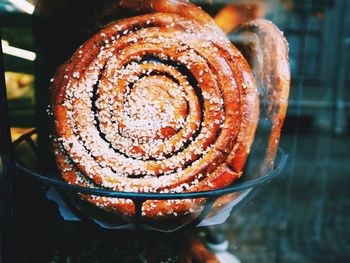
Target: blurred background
(301,216)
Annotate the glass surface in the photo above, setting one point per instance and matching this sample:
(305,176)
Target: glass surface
(300,216)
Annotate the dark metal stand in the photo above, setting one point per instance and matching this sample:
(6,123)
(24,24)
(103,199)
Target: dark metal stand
(245,183)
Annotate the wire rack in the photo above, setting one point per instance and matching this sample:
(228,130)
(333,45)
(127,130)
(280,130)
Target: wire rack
(210,212)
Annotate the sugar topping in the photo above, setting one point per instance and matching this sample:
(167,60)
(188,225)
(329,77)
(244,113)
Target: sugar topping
(151,112)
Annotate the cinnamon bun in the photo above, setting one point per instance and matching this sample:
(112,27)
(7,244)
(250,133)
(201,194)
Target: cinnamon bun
(159,102)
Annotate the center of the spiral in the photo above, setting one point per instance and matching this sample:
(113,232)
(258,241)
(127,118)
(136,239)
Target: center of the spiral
(156,108)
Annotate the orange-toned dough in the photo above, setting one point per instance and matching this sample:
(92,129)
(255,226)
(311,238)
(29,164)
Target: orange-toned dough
(159,102)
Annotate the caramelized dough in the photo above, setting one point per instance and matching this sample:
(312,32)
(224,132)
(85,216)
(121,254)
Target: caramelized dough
(159,102)
(266,50)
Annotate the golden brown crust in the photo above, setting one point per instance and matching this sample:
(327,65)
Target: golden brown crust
(266,50)
(155,103)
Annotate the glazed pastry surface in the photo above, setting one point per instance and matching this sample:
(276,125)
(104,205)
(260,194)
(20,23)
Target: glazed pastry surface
(158,102)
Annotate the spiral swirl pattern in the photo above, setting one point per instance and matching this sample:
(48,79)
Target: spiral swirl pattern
(154,103)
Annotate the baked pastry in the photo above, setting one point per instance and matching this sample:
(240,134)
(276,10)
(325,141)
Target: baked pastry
(159,102)
(266,50)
